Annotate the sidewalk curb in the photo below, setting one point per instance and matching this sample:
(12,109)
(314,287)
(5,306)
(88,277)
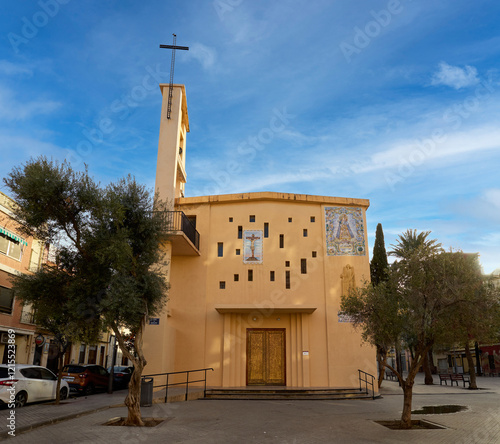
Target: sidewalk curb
(36,425)
(180,397)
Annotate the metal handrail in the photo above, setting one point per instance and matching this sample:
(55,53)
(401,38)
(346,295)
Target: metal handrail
(187,382)
(178,221)
(364,379)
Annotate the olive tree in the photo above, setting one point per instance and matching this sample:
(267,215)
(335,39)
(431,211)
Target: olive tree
(425,295)
(109,250)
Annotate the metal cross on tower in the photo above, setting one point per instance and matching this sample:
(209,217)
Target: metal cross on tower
(173,47)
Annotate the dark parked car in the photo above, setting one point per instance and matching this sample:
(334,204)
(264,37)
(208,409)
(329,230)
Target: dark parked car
(121,376)
(85,378)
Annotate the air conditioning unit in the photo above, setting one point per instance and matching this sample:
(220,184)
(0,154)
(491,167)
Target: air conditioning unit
(4,338)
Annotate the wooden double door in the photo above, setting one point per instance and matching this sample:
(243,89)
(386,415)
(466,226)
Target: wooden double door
(266,363)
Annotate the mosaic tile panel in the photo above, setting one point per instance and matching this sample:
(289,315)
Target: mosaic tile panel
(345,234)
(252,247)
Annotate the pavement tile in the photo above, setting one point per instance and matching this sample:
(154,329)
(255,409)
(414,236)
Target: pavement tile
(284,422)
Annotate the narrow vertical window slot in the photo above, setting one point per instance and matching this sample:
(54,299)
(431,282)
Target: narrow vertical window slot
(303,266)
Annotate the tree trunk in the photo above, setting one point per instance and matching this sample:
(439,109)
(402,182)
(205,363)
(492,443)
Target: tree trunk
(407,399)
(133,399)
(431,361)
(382,359)
(427,370)
(407,385)
(398,361)
(472,371)
(479,371)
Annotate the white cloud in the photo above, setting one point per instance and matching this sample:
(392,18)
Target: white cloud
(271,181)
(492,196)
(10,69)
(13,109)
(203,54)
(17,148)
(478,139)
(492,238)
(485,207)
(455,77)
(415,153)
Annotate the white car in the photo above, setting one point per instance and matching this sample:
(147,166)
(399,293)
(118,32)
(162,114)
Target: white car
(22,383)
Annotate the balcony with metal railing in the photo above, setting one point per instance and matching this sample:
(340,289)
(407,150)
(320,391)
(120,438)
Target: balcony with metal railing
(182,233)
(27,317)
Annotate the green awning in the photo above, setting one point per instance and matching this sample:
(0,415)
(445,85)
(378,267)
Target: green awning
(13,236)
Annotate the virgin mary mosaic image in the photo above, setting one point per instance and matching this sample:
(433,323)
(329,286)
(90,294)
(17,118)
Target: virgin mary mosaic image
(344,231)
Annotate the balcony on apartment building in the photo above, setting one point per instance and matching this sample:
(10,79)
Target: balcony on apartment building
(27,317)
(182,233)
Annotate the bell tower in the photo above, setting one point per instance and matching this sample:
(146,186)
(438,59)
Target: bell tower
(170,182)
(171,162)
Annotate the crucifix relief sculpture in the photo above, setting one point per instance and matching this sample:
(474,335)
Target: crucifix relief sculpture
(252,239)
(252,247)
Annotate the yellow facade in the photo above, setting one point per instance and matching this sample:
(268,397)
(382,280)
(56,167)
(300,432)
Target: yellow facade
(264,264)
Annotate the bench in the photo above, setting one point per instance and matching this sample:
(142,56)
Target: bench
(445,377)
(463,378)
(390,375)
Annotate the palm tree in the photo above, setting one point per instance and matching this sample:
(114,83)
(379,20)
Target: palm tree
(409,242)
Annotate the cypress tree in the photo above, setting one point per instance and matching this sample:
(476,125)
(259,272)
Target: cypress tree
(378,265)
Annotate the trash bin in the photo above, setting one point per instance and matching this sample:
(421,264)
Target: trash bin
(146,392)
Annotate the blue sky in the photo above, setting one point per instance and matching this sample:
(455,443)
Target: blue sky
(394,101)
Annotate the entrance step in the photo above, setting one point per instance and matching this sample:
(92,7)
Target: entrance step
(261,393)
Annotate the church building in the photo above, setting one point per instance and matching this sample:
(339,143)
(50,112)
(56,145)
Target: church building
(256,279)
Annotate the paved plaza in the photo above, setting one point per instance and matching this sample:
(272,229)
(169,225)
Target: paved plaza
(284,422)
